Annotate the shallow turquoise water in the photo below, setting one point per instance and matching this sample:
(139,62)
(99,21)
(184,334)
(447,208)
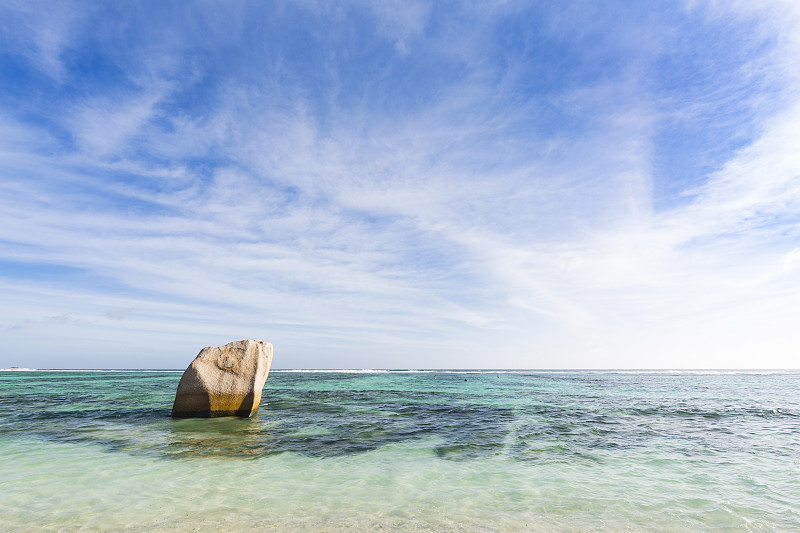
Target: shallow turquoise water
(402,451)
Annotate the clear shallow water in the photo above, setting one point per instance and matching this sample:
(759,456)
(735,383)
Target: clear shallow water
(401,451)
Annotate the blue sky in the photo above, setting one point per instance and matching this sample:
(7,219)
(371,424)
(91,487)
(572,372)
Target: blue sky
(401,184)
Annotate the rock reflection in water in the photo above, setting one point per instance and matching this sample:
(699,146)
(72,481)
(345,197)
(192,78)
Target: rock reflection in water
(220,437)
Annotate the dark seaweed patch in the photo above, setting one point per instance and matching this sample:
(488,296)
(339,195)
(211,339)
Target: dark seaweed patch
(536,418)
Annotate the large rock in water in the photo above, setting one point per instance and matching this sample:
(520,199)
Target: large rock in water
(224,381)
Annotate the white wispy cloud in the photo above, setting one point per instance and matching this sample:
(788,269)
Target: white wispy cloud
(476,216)
(41,31)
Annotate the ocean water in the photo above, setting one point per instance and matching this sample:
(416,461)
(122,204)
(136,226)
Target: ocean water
(402,451)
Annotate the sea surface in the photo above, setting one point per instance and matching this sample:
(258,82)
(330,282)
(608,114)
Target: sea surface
(339,451)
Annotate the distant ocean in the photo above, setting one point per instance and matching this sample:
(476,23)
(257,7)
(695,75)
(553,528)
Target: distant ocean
(406,450)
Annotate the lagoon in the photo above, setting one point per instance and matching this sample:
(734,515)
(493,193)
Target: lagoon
(400,450)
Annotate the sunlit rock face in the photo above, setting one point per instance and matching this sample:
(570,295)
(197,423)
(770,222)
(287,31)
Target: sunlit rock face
(224,381)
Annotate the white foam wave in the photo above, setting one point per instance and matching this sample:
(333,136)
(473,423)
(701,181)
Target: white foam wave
(535,371)
(128,370)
